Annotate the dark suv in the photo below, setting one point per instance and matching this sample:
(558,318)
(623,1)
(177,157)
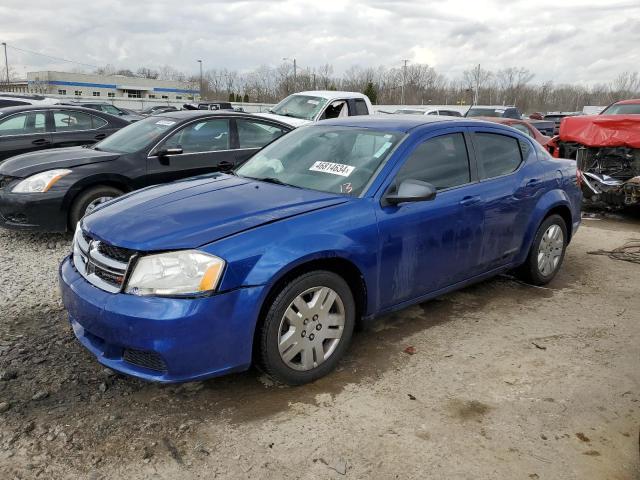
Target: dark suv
(494,111)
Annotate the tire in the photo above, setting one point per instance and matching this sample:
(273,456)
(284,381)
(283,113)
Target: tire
(550,247)
(84,200)
(309,347)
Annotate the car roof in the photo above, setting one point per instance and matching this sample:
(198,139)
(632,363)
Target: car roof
(503,120)
(186,114)
(496,107)
(57,106)
(329,94)
(401,123)
(631,101)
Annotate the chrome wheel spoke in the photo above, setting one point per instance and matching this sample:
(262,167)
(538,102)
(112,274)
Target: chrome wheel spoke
(318,352)
(331,333)
(293,351)
(307,358)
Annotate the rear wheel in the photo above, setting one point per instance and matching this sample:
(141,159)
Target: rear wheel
(88,200)
(547,252)
(307,328)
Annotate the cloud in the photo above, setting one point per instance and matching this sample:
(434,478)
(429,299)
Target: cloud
(575,41)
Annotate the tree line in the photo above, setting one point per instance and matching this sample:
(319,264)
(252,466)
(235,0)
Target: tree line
(416,84)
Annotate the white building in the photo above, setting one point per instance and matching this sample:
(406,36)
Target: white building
(108,86)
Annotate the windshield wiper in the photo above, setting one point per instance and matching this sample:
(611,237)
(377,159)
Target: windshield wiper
(273,180)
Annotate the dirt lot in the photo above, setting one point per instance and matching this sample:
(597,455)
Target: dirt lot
(507,381)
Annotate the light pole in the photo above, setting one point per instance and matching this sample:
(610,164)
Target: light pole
(6,62)
(295,71)
(201,84)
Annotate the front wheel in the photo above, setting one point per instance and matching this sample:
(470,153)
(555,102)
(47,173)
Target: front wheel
(88,200)
(547,252)
(307,328)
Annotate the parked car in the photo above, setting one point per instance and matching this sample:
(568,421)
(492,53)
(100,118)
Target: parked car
(557,117)
(607,150)
(106,107)
(333,224)
(217,105)
(23,99)
(29,128)
(158,109)
(494,111)
(306,107)
(428,111)
(522,125)
(52,190)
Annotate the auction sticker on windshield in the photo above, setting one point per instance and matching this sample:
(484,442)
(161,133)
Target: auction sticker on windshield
(334,168)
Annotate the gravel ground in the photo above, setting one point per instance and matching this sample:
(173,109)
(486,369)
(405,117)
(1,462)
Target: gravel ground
(503,381)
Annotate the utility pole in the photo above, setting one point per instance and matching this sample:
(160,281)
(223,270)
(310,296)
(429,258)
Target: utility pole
(6,62)
(404,79)
(476,93)
(201,84)
(295,75)
(295,71)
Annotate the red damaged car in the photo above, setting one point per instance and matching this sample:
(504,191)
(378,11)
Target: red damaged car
(606,148)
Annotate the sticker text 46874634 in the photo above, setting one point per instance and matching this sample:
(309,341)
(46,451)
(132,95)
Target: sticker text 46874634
(334,168)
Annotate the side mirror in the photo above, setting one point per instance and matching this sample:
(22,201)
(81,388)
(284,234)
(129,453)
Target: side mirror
(411,191)
(165,152)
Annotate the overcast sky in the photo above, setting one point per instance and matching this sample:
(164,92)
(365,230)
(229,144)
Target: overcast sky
(564,41)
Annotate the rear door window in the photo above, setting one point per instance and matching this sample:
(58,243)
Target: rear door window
(69,121)
(361,107)
(23,124)
(441,161)
(203,136)
(497,154)
(252,134)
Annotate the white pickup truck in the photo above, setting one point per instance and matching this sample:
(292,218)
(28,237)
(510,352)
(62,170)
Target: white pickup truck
(305,107)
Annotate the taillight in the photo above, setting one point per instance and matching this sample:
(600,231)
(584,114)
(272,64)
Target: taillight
(579,177)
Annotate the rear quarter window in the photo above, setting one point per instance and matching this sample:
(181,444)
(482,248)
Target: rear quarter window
(497,154)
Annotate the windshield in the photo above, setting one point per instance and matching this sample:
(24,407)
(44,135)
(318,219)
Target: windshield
(408,111)
(135,136)
(485,112)
(300,106)
(622,109)
(326,158)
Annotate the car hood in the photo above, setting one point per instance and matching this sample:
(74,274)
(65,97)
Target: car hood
(602,130)
(200,210)
(41,160)
(294,122)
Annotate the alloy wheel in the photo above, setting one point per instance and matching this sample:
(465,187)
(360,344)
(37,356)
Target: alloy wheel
(311,328)
(550,250)
(94,203)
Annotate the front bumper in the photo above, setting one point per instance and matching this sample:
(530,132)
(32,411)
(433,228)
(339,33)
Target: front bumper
(33,211)
(172,340)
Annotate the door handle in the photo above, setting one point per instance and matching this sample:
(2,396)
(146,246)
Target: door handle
(41,141)
(469,200)
(533,182)
(100,136)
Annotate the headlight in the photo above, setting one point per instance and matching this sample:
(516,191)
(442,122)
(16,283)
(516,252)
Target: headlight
(176,273)
(40,182)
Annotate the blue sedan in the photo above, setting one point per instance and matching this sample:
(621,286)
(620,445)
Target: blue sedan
(333,224)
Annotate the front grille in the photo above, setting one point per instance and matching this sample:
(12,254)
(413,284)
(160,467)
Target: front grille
(117,253)
(150,360)
(103,265)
